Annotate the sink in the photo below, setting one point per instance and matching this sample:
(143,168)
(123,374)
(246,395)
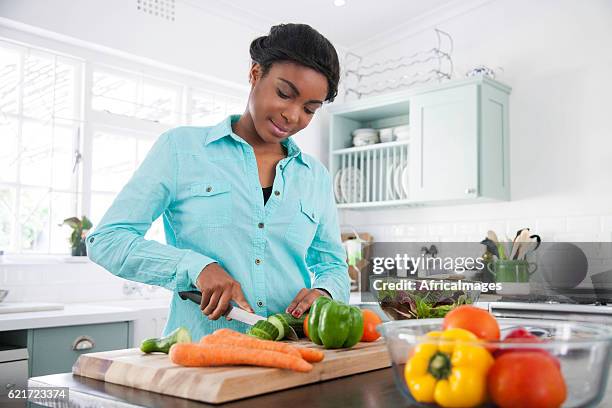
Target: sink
(21,307)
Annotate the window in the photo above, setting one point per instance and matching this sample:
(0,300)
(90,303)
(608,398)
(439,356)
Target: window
(39,131)
(64,154)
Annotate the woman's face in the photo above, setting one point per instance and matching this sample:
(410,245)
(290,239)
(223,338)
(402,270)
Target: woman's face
(284,101)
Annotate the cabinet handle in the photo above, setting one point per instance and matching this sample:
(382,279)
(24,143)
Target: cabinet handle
(470,191)
(83,343)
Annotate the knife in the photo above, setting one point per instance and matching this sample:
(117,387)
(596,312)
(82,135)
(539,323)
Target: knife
(234,312)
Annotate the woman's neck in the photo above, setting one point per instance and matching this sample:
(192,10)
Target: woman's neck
(245,128)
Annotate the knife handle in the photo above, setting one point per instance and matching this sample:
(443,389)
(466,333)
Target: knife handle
(193,295)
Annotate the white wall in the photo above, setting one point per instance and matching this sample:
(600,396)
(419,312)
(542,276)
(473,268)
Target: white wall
(557,57)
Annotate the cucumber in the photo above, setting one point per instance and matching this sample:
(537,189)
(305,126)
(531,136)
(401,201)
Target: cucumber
(163,344)
(297,324)
(265,330)
(281,325)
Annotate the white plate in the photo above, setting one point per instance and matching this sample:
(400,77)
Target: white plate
(337,190)
(365,131)
(397,181)
(351,183)
(390,191)
(405,182)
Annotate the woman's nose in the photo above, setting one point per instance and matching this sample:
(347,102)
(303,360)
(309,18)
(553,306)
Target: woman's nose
(291,114)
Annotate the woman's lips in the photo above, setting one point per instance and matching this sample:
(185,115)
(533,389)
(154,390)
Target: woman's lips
(278,131)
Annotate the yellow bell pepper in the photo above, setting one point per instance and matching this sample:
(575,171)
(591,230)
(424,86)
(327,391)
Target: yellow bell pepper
(450,370)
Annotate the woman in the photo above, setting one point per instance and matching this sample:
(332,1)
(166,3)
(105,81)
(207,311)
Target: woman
(248,217)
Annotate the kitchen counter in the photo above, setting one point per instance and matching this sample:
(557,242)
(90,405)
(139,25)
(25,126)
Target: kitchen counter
(83,313)
(371,389)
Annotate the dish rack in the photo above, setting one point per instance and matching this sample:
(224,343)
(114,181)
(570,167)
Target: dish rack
(372,174)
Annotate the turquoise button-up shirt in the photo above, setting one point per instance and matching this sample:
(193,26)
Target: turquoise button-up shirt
(205,184)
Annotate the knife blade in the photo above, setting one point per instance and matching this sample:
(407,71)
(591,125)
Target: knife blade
(233,312)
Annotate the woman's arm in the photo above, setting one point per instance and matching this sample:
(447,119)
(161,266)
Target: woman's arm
(118,242)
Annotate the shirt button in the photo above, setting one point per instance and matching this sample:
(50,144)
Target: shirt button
(91,240)
(277,193)
(257,261)
(260,303)
(260,225)
(208,189)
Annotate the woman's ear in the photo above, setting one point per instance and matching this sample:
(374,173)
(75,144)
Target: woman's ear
(254,73)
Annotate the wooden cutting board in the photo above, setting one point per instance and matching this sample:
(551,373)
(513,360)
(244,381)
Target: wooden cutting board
(155,372)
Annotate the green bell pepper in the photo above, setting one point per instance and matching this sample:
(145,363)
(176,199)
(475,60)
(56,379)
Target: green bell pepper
(334,324)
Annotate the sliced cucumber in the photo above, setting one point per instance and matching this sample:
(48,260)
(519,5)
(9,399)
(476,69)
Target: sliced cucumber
(263,329)
(297,324)
(281,325)
(163,344)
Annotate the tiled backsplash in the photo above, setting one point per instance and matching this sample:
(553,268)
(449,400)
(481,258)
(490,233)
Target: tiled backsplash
(551,229)
(68,282)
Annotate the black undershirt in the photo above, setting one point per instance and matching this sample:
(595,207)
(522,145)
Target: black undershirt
(267,192)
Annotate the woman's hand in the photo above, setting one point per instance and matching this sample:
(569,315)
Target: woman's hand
(218,288)
(304,300)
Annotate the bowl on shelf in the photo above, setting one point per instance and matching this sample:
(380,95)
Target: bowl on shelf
(365,136)
(409,298)
(401,132)
(582,350)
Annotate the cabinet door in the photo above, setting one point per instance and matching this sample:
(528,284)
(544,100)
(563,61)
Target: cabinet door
(56,349)
(444,144)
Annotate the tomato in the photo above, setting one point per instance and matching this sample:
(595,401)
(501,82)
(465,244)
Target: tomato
(370,321)
(521,335)
(305,326)
(478,321)
(525,379)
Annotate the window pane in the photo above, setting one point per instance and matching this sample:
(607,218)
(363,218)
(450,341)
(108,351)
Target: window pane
(63,157)
(210,109)
(158,104)
(64,92)
(34,219)
(113,93)
(100,202)
(114,159)
(7,211)
(63,206)
(38,86)
(9,80)
(36,153)
(8,153)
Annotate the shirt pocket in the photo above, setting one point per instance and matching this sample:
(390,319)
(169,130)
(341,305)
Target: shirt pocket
(302,229)
(211,202)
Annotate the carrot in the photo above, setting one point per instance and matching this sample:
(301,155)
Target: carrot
(243,340)
(311,355)
(208,355)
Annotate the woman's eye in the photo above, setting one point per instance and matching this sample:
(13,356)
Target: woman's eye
(308,111)
(281,94)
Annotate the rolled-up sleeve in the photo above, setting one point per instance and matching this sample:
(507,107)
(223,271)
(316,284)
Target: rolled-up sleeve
(118,242)
(326,257)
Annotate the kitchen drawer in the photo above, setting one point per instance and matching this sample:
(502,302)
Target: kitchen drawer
(13,375)
(53,349)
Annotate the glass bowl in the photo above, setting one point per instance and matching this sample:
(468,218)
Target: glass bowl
(583,350)
(420,302)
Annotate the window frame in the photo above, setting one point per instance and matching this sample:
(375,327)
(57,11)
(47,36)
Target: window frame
(90,57)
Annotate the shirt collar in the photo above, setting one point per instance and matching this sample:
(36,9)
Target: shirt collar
(224,128)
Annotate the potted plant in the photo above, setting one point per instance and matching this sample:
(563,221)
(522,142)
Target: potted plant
(80,228)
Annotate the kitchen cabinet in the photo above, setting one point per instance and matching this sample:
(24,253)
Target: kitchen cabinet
(55,349)
(457,151)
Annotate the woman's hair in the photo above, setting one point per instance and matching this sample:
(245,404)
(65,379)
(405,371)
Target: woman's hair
(302,44)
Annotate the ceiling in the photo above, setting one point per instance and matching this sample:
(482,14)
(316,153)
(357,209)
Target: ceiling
(347,26)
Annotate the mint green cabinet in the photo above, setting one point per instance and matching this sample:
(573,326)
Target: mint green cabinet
(457,151)
(55,349)
(444,144)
